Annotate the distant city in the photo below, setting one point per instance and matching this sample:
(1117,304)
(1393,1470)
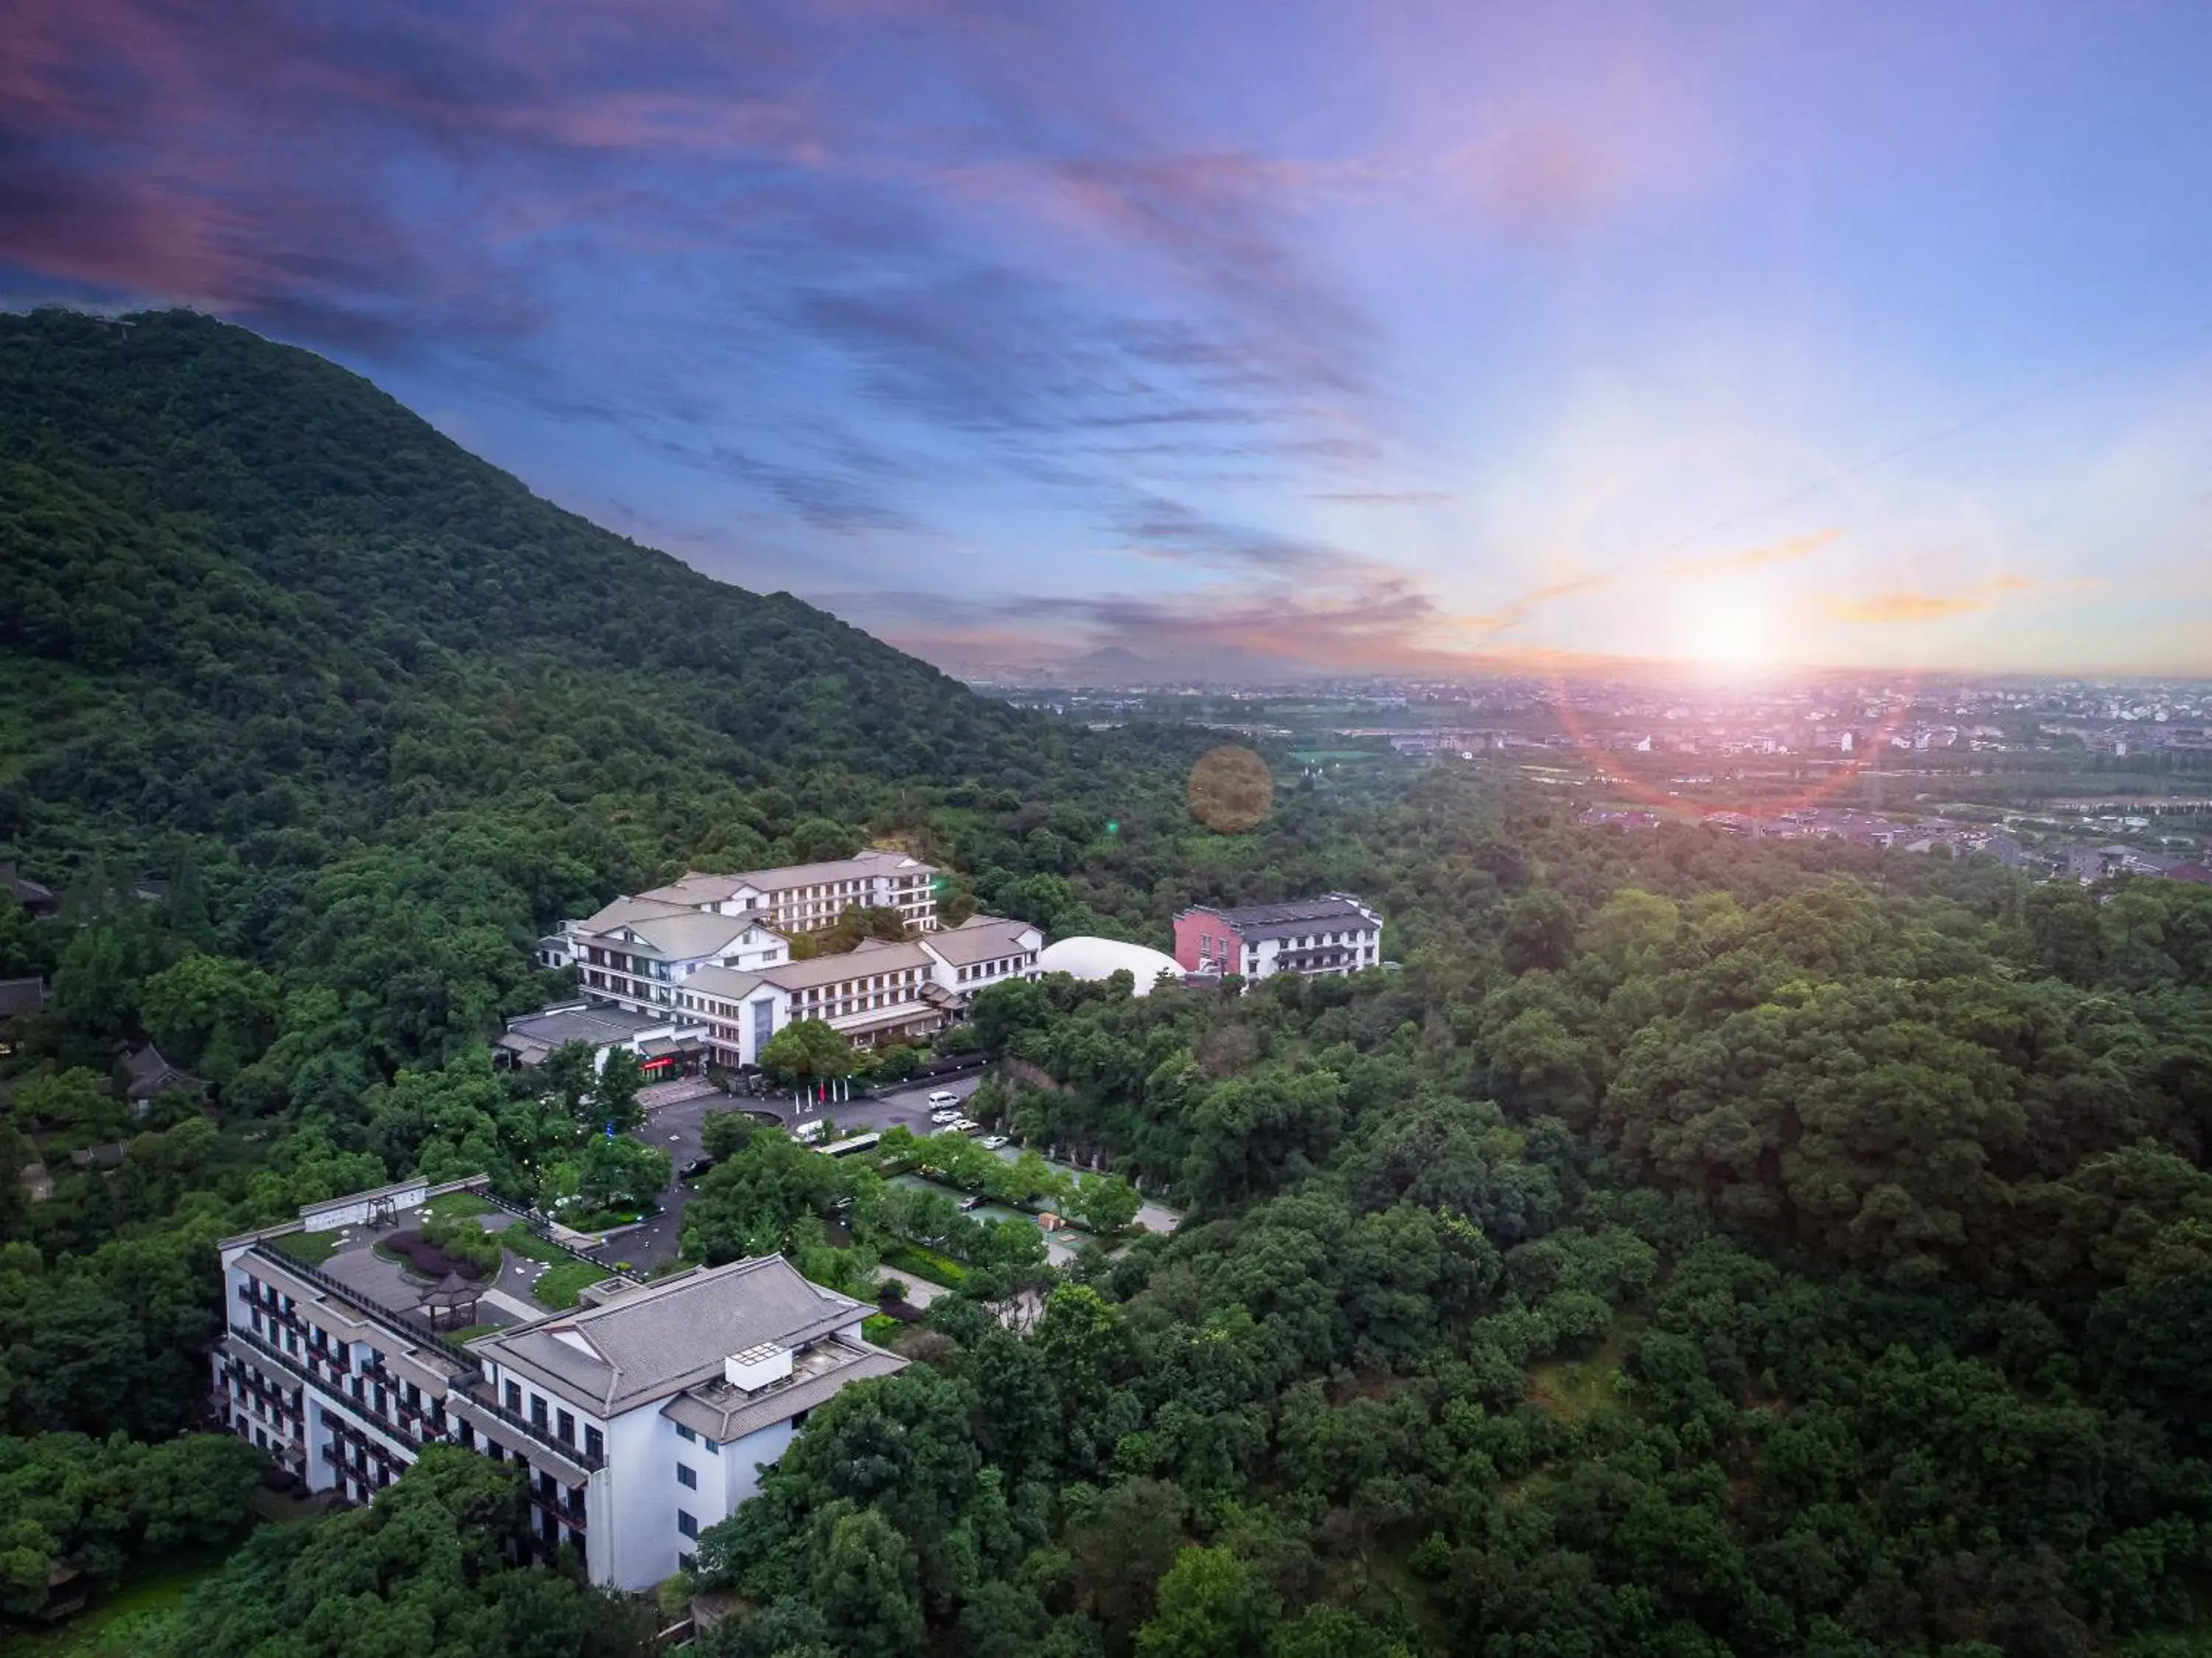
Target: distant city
(2063,777)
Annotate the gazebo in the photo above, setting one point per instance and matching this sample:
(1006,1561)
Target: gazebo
(451,1303)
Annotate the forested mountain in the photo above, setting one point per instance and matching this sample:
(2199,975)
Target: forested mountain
(286,598)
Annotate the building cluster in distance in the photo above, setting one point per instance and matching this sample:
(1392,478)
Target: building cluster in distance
(701,971)
(2075,861)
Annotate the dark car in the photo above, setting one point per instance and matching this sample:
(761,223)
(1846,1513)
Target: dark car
(694,1169)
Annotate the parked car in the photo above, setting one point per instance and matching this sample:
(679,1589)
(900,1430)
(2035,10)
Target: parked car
(694,1169)
(941,1118)
(962,1126)
(971,1201)
(945,1097)
(992,1142)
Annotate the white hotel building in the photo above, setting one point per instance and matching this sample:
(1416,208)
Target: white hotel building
(641,1416)
(710,953)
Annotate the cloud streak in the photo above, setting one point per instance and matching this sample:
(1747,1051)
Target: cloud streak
(1914,606)
(1792,550)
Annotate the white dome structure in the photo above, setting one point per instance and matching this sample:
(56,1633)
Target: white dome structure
(1102,957)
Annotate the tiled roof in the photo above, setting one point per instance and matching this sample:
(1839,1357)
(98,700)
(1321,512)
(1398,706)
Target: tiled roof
(699,886)
(874,956)
(720,1412)
(585,1022)
(674,1334)
(694,933)
(1336,910)
(982,938)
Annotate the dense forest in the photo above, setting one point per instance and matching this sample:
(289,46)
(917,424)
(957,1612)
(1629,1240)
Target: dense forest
(1688,1247)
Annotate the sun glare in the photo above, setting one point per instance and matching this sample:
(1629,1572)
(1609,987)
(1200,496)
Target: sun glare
(1729,630)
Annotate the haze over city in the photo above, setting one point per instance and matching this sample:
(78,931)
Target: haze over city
(1239,340)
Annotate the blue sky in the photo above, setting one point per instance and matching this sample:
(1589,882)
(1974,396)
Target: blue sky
(1363,337)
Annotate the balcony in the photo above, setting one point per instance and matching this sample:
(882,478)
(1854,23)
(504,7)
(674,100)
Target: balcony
(357,1407)
(568,1510)
(466,1401)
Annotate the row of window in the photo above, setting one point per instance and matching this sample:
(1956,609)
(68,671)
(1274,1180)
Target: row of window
(998,969)
(562,1423)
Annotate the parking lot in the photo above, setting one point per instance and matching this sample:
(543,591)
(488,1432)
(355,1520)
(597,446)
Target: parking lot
(675,1126)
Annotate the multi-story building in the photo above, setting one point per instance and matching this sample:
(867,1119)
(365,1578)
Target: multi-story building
(710,954)
(636,951)
(1334,934)
(877,993)
(808,896)
(981,952)
(641,1417)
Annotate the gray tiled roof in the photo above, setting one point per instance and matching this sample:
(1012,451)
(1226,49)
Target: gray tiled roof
(982,938)
(700,886)
(150,1074)
(690,933)
(21,996)
(625,911)
(873,957)
(1254,920)
(718,1411)
(675,1334)
(591,1022)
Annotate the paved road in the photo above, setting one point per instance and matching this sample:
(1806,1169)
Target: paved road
(906,1107)
(675,1127)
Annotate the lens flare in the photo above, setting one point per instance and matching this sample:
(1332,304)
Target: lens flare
(1230,789)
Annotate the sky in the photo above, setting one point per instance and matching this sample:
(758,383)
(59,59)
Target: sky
(1246,339)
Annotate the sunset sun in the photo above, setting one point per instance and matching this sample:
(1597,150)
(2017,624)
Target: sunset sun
(1729,630)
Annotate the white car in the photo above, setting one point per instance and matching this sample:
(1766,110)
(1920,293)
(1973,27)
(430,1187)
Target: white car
(945,1115)
(943,1098)
(962,1126)
(992,1142)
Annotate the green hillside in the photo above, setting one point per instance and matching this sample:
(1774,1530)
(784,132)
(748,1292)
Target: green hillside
(247,590)
(387,714)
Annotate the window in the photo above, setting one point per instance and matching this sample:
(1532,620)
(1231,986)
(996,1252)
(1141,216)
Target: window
(687,1477)
(685,1562)
(567,1428)
(686,1524)
(514,1397)
(595,1443)
(713,1449)
(686,1435)
(538,1413)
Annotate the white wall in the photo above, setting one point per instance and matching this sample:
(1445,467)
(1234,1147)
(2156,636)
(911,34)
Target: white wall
(329,1217)
(743,1458)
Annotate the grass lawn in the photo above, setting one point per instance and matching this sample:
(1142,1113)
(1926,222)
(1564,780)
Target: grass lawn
(457,1203)
(560,1286)
(521,1240)
(881,1328)
(312,1247)
(105,1630)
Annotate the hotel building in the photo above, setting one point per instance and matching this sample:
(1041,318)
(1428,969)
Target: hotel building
(640,1416)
